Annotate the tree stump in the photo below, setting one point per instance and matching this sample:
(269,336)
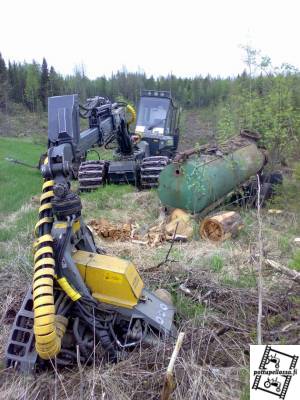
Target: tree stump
(221,226)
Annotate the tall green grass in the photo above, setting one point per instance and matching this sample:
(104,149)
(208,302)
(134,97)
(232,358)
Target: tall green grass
(18,183)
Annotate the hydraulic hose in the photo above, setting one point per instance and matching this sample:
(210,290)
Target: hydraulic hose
(49,328)
(131,111)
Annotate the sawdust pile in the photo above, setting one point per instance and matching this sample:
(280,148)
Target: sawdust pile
(177,226)
(107,230)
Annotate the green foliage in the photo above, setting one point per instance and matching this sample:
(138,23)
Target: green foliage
(32,86)
(225,125)
(4,85)
(44,87)
(288,192)
(56,83)
(264,99)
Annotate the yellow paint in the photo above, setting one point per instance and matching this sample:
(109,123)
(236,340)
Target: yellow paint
(60,225)
(63,225)
(67,288)
(110,279)
(48,327)
(132,113)
(76,226)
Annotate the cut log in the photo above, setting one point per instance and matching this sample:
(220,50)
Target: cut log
(291,273)
(221,226)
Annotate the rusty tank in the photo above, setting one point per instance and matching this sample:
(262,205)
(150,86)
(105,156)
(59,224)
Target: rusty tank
(199,178)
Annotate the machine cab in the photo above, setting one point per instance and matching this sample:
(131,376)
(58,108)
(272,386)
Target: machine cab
(157,114)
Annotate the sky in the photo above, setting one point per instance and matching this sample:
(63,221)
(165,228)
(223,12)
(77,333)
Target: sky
(186,38)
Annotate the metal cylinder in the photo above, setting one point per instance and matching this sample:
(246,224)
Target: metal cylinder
(201,181)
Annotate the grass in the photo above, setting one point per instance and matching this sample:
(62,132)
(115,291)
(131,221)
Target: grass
(19,122)
(284,244)
(25,219)
(295,262)
(18,183)
(246,279)
(216,263)
(109,196)
(186,307)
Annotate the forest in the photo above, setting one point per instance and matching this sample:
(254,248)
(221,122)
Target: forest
(263,97)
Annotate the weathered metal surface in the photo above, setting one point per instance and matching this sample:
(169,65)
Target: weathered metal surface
(198,182)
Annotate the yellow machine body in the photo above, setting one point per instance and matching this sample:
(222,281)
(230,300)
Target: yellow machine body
(111,280)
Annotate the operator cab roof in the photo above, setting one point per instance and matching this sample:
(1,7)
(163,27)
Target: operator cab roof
(163,94)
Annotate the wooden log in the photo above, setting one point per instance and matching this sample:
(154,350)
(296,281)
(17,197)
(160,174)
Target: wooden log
(221,226)
(291,273)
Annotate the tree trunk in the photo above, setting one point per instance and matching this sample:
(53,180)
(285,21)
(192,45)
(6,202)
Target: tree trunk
(221,226)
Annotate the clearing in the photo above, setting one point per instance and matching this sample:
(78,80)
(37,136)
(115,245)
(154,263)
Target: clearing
(218,315)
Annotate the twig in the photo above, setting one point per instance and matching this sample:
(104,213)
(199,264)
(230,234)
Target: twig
(260,281)
(94,359)
(170,248)
(291,273)
(12,160)
(167,255)
(169,383)
(80,372)
(185,290)
(59,378)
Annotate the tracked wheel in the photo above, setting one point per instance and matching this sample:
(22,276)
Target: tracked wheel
(150,169)
(92,174)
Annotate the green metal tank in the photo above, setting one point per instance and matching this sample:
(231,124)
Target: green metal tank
(200,181)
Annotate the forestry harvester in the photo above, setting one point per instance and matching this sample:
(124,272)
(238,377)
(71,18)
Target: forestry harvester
(141,156)
(80,299)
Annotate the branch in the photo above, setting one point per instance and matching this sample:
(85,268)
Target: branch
(260,281)
(169,384)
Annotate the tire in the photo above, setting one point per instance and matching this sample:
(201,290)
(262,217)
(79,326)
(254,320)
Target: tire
(267,384)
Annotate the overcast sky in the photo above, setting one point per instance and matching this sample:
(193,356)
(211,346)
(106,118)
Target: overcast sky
(187,38)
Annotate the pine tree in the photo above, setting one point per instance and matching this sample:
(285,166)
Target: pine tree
(44,88)
(4,86)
